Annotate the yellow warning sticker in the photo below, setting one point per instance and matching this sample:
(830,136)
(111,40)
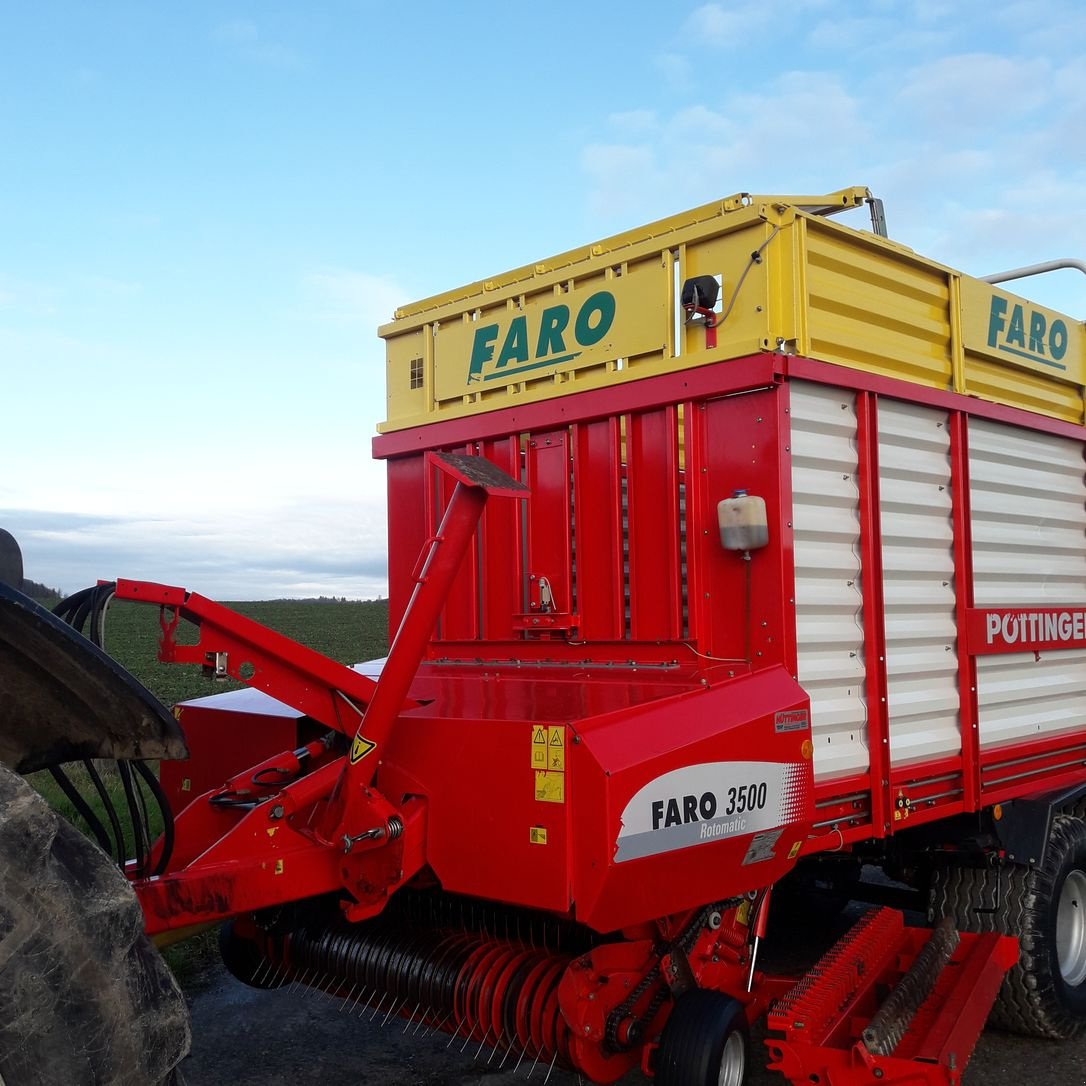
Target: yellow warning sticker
(539,747)
(537,835)
(556,749)
(360,748)
(793,852)
(742,914)
(550,787)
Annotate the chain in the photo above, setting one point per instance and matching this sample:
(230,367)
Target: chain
(684,942)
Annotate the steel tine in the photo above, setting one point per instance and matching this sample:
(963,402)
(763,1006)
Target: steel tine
(357,998)
(275,977)
(393,1009)
(354,988)
(377,1010)
(433,1029)
(508,1051)
(296,980)
(412,1018)
(494,1052)
(523,1053)
(538,1054)
(459,1027)
(466,1039)
(481,1043)
(551,1068)
(264,966)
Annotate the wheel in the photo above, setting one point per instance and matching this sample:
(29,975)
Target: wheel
(705,1042)
(1044,995)
(244,961)
(94,1004)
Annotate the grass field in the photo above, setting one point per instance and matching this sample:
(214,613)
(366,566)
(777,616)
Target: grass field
(347,632)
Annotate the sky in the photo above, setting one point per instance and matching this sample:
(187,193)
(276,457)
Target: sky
(206,209)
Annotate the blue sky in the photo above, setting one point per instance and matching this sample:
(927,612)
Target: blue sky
(206,209)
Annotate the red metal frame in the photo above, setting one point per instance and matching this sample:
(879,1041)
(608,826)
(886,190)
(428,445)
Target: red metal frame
(816,1029)
(878,720)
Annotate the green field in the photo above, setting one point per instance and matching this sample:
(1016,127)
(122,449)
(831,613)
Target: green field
(347,632)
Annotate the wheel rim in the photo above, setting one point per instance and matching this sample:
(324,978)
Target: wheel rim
(733,1061)
(1071,928)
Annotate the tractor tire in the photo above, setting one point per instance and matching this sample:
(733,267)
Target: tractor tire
(1044,995)
(705,1042)
(85,999)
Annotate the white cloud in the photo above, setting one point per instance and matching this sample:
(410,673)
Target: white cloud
(959,92)
(717,24)
(321,547)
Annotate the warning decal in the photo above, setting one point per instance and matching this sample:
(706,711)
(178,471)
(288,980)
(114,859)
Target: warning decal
(360,748)
(550,787)
(556,749)
(539,747)
(537,835)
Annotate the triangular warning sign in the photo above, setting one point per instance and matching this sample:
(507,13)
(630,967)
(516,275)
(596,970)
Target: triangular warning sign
(556,737)
(539,736)
(360,748)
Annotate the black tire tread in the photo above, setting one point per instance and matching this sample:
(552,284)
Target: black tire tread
(1009,899)
(94,1002)
(684,1058)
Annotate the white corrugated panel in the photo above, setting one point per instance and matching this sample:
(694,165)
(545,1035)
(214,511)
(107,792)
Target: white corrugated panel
(918,582)
(829,600)
(1028,494)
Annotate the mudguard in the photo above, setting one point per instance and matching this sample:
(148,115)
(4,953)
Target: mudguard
(62,698)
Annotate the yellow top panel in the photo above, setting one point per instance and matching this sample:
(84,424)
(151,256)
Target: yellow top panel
(791,281)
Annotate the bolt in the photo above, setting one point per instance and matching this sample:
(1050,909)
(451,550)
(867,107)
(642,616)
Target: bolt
(276,811)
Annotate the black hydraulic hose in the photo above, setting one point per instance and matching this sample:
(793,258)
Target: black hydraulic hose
(134,817)
(79,617)
(75,610)
(70,603)
(111,811)
(141,808)
(101,598)
(81,806)
(167,814)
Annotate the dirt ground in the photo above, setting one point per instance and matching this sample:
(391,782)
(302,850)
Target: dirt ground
(245,1037)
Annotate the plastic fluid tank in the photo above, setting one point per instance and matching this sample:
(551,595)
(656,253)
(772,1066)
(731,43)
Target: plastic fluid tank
(742,520)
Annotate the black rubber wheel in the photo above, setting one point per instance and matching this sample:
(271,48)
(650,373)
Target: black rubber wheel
(244,961)
(705,1042)
(1044,995)
(85,999)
